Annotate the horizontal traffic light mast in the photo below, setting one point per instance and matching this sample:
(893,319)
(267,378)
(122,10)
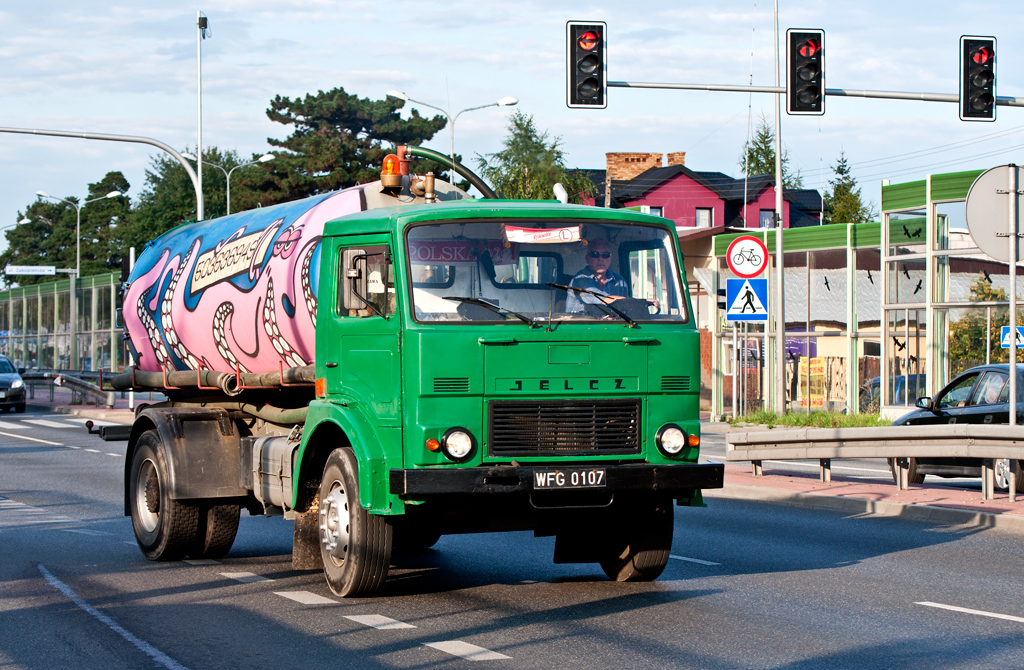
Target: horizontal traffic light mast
(1002,100)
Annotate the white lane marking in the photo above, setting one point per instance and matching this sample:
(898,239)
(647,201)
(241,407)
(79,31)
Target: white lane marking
(74,447)
(379,622)
(953,608)
(199,561)
(32,439)
(143,646)
(47,424)
(692,560)
(110,454)
(23,514)
(92,451)
(305,597)
(245,577)
(12,425)
(468,651)
(87,531)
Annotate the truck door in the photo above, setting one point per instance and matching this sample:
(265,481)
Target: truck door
(360,347)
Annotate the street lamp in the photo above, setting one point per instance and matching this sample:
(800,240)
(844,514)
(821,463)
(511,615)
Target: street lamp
(78,261)
(227,173)
(507,101)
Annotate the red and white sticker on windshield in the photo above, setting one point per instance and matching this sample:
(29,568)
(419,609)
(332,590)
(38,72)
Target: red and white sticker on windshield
(542,235)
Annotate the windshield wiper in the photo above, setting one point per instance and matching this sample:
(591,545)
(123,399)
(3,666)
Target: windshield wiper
(601,297)
(494,308)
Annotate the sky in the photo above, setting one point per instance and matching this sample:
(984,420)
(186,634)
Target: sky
(129,68)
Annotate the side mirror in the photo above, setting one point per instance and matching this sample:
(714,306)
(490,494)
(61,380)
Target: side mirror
(924,403)
(353,277)
(21,371)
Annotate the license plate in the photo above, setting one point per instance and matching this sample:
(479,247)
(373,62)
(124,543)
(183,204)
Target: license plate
(3,394)
(569,479)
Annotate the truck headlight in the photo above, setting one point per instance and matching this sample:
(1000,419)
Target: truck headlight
(671,439)
(457,444)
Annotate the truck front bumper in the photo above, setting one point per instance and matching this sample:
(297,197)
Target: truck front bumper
(673,480)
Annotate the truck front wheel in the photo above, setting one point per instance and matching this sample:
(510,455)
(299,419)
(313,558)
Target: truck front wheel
(644,542)
(165,529)
(355,546)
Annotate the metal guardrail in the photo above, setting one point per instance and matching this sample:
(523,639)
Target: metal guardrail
(78,386)
(986,442)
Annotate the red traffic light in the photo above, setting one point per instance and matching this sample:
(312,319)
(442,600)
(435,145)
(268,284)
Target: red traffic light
(588,41)
(809,48)
(982,56)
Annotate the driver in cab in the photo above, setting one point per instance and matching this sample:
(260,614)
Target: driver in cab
(599,277)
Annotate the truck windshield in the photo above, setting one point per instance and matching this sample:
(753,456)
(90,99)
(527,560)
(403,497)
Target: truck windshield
(528,272)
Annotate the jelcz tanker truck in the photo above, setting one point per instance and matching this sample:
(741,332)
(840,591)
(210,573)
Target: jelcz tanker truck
(397,361)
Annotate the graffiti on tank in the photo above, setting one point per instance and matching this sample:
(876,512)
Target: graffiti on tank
(253,276)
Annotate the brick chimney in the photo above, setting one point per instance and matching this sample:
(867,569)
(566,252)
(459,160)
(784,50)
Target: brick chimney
(626,165)
(676,158)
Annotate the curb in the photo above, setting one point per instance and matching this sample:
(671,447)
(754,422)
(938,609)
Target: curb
(926,513)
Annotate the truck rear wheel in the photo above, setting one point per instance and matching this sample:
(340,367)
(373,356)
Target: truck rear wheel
(165,529)
(646,541)
(216,530)
(355,546)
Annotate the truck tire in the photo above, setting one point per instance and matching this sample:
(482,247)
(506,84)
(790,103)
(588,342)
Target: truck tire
(913,476)
(216,531)
(646,534)
(355,546)
(165,529)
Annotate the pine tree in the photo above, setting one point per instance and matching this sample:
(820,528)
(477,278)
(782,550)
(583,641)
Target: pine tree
(530,165)
(843,204)
(758,156)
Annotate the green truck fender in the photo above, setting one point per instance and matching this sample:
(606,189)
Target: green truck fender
(330,425)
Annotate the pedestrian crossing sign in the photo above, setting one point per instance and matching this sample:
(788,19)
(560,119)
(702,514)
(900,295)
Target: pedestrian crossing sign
(1004,337)
(746,300)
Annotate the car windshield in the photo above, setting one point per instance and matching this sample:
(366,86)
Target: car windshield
(529,272)
(5,367)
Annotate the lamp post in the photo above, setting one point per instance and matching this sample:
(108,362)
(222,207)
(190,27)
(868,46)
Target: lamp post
(227,173)
(78,261)
(507,101)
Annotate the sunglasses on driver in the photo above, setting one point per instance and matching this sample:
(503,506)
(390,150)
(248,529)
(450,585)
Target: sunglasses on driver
(600,254)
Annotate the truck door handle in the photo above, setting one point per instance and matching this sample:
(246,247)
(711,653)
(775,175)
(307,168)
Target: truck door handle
(497,340)
(330,364)
(640,340)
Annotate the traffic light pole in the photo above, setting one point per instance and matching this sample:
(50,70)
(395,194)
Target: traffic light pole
(1002,100)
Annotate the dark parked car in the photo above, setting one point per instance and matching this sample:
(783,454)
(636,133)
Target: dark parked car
(979,395)
(12,388)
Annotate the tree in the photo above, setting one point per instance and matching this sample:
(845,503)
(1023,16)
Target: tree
(530,165)
(843,203)
(758,156)
(49,238)
(339,140)
(970,335)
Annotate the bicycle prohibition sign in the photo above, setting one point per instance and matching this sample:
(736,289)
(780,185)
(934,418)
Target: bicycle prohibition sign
(747,256)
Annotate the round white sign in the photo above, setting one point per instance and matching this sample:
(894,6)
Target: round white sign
(747,256)
(988,211)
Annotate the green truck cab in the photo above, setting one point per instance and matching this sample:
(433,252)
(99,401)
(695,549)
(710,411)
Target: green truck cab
(481,366)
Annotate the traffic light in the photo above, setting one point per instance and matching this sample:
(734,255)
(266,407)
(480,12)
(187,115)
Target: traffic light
(977,78)
(805,92)
(587,79)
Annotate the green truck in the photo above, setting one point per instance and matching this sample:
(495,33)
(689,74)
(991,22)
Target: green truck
(397,361)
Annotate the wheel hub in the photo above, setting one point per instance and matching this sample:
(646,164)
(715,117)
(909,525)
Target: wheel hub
(334,522)
(153,494)
(1002,473)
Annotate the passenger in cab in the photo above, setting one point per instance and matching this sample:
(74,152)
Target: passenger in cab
(598,276)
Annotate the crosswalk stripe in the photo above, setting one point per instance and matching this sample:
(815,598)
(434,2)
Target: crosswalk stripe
(379,622)
(48,424)
(245,577)
(466,650)
(305,597)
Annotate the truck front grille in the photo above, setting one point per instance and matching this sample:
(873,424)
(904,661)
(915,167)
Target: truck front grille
(564,427)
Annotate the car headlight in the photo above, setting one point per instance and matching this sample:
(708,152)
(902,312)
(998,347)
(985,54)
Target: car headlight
(671,439)
(457,444)
(17,384)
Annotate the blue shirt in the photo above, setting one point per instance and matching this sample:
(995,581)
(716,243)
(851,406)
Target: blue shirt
(614,285)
